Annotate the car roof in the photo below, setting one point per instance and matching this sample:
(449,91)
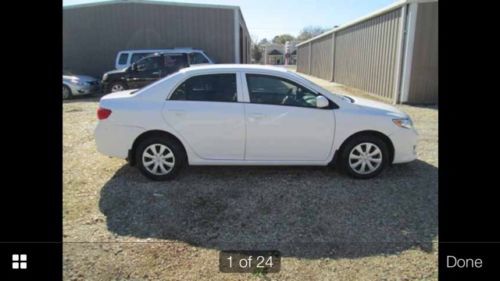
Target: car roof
(181,50)
(233,67)
(157,54)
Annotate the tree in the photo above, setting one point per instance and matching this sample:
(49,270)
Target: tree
(309,32)
(263,41)
(256,53)
(281,39)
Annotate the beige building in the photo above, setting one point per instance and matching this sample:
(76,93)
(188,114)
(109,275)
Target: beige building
(276,54)
(274,57)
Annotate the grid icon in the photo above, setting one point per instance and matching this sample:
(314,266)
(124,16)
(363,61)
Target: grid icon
(19,261)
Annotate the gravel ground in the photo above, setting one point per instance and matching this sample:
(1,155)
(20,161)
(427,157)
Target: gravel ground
(120,226)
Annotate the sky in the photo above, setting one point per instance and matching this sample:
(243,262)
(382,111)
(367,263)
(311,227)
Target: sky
(267,18)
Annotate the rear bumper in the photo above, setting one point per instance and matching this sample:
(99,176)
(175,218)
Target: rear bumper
(405,145)
(115,140)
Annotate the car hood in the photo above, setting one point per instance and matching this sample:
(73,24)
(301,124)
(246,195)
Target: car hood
(82,78)
(379,107)
(117,71)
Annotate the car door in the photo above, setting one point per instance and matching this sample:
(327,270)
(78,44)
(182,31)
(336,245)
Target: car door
(147,71)
(205,111)
(283,122)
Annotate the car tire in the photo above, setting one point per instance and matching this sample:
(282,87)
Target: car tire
(66,92)
(364,156)
(117,86)
(160,158)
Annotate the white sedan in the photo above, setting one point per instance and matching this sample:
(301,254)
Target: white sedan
(250,115)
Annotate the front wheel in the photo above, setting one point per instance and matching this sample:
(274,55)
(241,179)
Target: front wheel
(66,92)
(364,157)
(160,158)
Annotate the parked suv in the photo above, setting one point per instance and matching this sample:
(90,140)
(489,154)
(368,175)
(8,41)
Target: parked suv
(126,58)
(143,72)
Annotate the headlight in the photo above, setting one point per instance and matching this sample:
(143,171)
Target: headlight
(77,82)
(403,123)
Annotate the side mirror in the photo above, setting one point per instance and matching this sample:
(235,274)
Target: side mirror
(322,102)
(140,67)
(133,67)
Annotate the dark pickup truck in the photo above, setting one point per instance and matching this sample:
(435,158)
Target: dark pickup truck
(143,72)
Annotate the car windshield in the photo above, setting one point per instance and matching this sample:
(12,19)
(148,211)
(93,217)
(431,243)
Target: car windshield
(323,89)
(137,56)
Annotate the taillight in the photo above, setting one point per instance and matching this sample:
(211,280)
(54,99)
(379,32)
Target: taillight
(103,113)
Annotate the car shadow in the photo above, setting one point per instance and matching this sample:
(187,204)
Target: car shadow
(305,212)
(433,107)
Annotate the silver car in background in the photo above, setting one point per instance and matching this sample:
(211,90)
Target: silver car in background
(79,85)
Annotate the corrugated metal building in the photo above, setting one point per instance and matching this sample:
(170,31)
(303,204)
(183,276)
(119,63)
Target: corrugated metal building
(391,53)
(94,33)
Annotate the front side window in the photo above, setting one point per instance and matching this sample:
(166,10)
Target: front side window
(213,87)
(123,58)
(149,64)
(197,58)
(265,89)
(137,56)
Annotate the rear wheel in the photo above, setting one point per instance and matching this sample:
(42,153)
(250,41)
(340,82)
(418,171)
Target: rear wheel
(160,158)
(117,87)
(364,156)
(66,92)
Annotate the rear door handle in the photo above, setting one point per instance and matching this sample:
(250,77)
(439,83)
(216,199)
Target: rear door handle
(255,116)
(178,112)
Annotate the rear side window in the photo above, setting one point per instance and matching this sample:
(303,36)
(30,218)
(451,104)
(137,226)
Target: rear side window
(213,87)
(137,56)
(177,60)
(197,58)
(123,58)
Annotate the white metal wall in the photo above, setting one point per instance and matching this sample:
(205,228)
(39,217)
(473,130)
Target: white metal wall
(365,54)
(423,84)
(321,57)
(303,58)
(391,53)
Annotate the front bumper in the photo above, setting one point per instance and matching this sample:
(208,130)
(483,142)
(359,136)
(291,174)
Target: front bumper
(104,87)
(87,89)
(405,145)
